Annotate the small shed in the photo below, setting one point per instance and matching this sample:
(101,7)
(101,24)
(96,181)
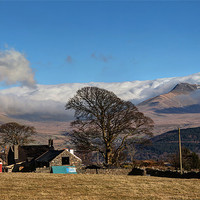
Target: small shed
(59,158)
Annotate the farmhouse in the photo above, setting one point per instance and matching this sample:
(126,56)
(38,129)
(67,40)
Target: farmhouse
(26,153)
(40,158)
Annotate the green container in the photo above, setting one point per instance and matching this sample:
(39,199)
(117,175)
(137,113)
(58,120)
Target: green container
(63,169)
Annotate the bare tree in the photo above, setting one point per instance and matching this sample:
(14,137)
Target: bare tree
(104,122)
(15,134)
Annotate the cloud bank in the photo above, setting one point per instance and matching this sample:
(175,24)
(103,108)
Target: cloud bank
(48,101)
(33,110)
(15,69)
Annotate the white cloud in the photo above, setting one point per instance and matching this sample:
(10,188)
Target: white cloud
(26,108)
(15,69)
(49,100)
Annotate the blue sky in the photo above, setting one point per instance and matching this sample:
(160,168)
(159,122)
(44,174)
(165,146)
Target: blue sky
(103,41)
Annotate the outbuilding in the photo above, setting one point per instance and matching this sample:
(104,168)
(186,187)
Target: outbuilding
(63,158)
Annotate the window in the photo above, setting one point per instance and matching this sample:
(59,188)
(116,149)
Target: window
(65,160)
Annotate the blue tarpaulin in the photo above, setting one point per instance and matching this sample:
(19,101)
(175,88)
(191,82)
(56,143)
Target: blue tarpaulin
(64,169)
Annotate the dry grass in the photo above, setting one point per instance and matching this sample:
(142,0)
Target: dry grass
(58,186)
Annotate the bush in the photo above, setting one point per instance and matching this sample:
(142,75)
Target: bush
(190,160)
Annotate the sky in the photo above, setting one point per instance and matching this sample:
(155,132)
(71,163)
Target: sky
(55,42)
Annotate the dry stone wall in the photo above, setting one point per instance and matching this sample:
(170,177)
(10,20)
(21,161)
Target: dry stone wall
(107,171)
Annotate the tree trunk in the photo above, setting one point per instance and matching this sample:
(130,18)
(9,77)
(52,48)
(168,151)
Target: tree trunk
(109,155)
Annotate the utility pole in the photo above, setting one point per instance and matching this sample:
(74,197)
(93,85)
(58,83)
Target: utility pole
(98,157)
(180,152)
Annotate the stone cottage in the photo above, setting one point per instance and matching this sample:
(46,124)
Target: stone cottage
(63,157)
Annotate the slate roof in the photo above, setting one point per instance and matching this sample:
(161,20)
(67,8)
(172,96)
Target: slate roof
(34,150)
(48,156)
(29,152)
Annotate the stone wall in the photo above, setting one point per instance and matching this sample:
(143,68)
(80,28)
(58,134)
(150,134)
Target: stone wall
(43,170)
(73,160)
(107,171)
(143,172)
(172,174)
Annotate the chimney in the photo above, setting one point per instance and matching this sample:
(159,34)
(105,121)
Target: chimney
(50,142)
(16,152)
(71,151)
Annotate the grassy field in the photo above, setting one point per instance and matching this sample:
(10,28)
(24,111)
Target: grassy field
(57,186)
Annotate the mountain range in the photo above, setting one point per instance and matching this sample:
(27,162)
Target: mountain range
(170,102)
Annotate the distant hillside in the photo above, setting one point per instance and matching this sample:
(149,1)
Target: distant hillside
(182,95)
(178,107)
(184,88)
(167,143)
